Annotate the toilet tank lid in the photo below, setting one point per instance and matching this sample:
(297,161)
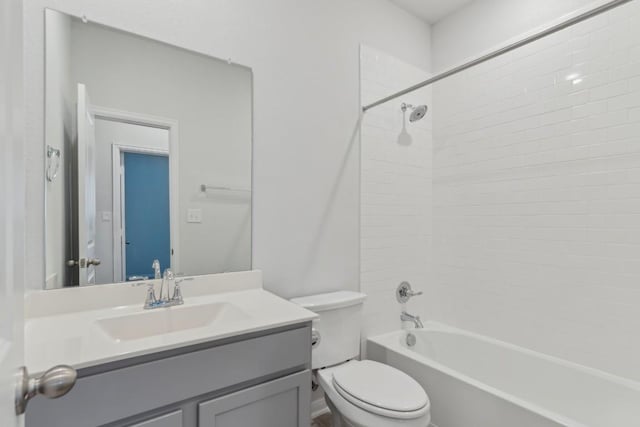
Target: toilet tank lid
(330,301)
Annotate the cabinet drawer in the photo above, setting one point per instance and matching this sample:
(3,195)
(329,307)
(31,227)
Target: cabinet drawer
(174,419)
(280,403)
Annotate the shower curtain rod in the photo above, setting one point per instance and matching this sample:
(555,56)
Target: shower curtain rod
(537,36)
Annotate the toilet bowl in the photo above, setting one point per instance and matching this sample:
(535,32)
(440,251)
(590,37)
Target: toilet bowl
(370,394)
(359,393)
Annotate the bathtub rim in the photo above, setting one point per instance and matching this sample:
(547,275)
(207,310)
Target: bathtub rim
(390,343)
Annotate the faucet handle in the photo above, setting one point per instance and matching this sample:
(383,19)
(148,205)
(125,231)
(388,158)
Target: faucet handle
(177,292)
(177,295)
(404,292)
(151,299)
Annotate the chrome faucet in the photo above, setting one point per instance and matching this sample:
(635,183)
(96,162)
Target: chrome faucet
(175,298)
(156,269)
(406,317)
(167,278)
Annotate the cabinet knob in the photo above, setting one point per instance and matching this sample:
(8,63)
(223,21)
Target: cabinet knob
(54,383)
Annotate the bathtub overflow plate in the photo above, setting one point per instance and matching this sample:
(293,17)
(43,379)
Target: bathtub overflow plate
(411,340)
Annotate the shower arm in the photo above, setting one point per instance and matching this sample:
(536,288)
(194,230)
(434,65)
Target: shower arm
(513,46)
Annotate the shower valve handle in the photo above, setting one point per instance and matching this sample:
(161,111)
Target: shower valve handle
(404,292)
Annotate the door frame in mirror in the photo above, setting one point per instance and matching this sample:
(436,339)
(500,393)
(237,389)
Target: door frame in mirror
(118,220)
(172,127)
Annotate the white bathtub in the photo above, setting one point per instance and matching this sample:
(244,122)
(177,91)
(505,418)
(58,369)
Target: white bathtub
(475,381)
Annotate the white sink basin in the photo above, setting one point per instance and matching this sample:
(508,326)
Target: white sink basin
(161,321)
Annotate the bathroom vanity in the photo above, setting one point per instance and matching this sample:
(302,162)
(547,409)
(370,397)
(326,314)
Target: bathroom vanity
(246,365)
(128,193)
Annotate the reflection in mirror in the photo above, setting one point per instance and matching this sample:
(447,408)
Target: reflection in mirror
(148,158)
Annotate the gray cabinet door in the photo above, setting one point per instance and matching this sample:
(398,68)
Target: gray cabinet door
(174,419)
(280,403)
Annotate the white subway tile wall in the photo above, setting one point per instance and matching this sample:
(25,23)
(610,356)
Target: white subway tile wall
(395,191)
(536,197)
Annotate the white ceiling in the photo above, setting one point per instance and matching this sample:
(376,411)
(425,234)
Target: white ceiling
(431,11)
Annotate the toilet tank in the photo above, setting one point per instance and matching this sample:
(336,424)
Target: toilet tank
(336,332)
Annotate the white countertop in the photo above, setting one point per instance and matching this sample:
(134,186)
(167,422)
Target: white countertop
(74,337)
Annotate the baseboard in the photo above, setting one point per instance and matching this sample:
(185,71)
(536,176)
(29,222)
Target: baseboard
(318,407)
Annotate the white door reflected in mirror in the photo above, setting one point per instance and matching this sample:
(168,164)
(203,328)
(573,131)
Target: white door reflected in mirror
(86,190)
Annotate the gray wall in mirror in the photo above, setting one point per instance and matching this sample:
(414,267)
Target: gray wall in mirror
(160,122)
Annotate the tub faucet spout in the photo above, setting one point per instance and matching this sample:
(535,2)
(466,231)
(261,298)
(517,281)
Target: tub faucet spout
(406,317)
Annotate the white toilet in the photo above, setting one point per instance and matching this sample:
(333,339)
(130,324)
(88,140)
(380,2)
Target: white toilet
(359,393)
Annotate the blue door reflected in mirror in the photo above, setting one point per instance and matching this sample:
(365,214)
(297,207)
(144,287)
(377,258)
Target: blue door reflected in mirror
(146,213)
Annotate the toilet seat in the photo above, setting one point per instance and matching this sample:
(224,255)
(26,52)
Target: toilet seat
(362,414)
(380,389)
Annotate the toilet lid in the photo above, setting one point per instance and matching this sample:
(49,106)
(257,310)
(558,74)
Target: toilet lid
(381,386)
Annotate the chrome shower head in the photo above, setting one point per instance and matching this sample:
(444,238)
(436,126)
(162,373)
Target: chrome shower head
(417,113)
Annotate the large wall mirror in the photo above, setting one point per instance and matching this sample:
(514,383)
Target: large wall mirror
(148,157)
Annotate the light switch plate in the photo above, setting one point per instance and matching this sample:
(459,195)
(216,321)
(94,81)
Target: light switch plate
(194,216)
(106,216)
